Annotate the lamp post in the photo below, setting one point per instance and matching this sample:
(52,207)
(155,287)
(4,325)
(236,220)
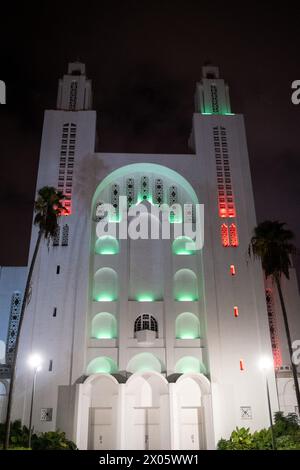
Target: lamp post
(34,362)
(266,364)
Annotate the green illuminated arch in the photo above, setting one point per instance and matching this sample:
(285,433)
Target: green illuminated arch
(185,285)
(104,326)
(105,285)
(129,170)
(144,362)
(187,326)
(189,364)
(183,246)
(102,364)
(107,245)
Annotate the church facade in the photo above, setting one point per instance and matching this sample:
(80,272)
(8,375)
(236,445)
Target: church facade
(150,343)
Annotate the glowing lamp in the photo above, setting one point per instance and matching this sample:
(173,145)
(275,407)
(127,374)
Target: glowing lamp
(265,363)
(35,361)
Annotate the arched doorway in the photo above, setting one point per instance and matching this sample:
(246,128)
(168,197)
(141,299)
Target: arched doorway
(97,413)
(147,412)
(194,414)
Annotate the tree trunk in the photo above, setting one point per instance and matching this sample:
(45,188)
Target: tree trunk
(288,335)
(13,366)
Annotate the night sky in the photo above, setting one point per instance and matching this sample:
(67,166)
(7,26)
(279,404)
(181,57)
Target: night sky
(144,58)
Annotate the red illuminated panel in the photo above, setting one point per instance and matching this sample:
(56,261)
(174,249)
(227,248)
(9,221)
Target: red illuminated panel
(222,209)
(277,358)
(234,240)
(232,270)
(231,210)
(224,235)
(242,364)
(236,311)
(67,207)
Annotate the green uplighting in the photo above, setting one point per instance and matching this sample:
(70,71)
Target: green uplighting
(187,326)
(179,246)
(107,245)
(144,362)
(104,335)
(105,298)
(186,298)
(145,298)
(148,198)
(175,218)
(115,218)
(188,364)
(104,326)
(190,335)
(105,285)
(222,113)
(185,286)
(104,365)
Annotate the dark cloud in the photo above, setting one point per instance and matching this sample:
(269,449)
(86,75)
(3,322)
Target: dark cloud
(144,58)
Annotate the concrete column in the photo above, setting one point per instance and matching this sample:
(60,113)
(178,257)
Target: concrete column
(208,422)
(121,425)
(174,418)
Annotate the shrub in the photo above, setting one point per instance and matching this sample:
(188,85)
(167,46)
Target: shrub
(262,439)
(240,439)
(287,443)
(18,434)
(286,425)
(53,440)
(286,431)
(46,441)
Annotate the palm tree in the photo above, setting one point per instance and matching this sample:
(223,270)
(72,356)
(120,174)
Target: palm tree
(272,244)
(48,207)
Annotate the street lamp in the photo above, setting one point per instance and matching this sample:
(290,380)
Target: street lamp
(266,364)
(35,362)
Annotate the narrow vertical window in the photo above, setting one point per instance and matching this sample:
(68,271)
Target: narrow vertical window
(54,312)
(232,270)
(224,235)
(242,364)
(65,235)
(57,269)
(236,311)
(56,236)
(50,365)
(234,241)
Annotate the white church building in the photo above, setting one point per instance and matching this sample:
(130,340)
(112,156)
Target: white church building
(147,343)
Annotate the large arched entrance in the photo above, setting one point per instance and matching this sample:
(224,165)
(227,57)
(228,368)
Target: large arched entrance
(98,413)
(193,411)
(147,412)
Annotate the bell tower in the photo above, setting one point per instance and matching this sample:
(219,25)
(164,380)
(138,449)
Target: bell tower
(74,89)
(212,93)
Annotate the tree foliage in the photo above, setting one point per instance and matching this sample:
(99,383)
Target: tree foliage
(286,430)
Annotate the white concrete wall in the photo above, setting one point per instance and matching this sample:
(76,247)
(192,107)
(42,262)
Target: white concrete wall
(246,337)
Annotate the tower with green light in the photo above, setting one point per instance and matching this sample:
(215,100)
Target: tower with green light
(154,343)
